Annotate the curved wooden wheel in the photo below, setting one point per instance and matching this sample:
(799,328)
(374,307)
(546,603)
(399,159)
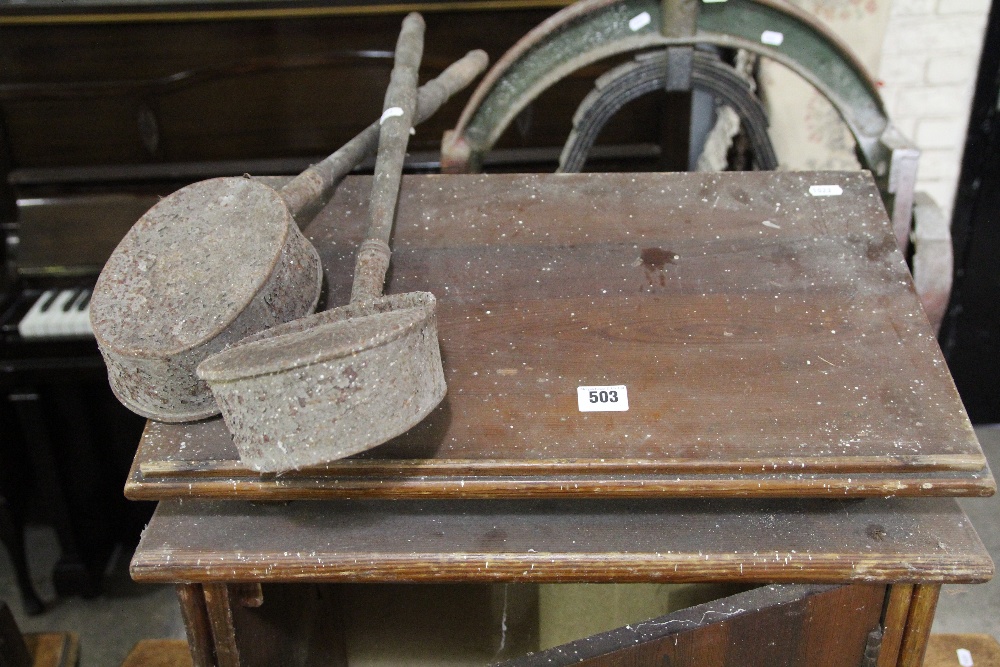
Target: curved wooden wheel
(592,30)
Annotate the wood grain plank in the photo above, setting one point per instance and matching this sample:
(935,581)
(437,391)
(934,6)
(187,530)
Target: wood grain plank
(836,626)
(580,486)
(799,344)
(220,616)
(234,469)
(789,626)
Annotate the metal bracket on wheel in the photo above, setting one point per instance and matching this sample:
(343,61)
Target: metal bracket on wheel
(680,60)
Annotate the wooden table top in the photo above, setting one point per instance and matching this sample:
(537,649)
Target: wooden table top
(616,540)
(767,333)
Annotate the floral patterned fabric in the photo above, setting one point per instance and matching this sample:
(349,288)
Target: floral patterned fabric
(806,130)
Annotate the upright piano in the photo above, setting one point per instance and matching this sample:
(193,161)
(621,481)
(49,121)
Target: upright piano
(66,440)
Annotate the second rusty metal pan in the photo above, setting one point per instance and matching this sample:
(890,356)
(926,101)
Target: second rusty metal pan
(332,384)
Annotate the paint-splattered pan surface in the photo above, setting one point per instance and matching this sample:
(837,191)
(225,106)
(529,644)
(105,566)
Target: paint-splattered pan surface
(211,264)
(332,384)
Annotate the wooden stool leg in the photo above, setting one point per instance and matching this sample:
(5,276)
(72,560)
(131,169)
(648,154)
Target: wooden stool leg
(918,624)
(196,624)
(894,623)
(218,603)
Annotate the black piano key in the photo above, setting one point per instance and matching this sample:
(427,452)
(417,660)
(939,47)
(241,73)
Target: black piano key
(48,302)
(70,301)
(85,301)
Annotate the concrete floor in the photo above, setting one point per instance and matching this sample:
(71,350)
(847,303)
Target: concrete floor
(110,625)
(976,608)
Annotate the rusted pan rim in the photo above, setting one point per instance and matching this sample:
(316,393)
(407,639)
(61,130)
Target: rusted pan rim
(332,384)
(215,262)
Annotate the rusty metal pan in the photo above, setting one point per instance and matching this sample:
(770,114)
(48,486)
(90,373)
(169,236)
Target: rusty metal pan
(211,264)
(218,261)
(332,384)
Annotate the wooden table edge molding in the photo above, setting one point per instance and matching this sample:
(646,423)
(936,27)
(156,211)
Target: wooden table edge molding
(487,567)
(817,541)
(685,485)
(95,13)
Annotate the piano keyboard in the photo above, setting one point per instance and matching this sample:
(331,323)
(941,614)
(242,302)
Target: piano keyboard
(58,314)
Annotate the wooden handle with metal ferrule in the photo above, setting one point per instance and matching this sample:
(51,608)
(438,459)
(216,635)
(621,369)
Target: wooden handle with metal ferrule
(394,136)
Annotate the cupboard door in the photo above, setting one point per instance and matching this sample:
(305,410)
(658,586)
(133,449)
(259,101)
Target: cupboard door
(772,626)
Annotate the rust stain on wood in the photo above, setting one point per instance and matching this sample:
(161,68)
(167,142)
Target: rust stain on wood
(654,260)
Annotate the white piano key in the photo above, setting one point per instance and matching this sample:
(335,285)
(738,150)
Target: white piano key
(67,315)
(51,321)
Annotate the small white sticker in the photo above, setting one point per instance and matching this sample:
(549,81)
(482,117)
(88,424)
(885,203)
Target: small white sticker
(639,21)
(825,190)
(964,657)
(391,112)
(772,37)
(612,398)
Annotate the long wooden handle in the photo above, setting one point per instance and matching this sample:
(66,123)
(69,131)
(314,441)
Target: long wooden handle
(394,136)
(310,190)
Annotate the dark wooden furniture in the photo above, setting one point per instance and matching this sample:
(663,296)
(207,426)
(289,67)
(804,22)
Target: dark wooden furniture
(12,538)
(146,93)
(263,582)
(770,341)
(771,344)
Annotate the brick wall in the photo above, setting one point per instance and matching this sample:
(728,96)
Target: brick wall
(928,68)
